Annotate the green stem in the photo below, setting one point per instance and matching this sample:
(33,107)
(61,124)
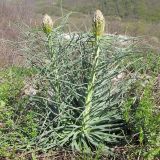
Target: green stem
(53,57)
(90,88)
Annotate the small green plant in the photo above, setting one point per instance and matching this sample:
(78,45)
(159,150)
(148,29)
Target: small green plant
(12,81)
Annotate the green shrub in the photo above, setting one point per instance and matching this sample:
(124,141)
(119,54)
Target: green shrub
(143,119)
(17,124)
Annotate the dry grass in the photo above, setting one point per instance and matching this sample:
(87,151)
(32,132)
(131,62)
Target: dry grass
(30,12)
(11,15)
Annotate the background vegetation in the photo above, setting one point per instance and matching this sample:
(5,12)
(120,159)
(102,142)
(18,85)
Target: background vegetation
(127,17)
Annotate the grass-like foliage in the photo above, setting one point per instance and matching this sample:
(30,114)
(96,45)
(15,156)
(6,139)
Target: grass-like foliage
(79,99)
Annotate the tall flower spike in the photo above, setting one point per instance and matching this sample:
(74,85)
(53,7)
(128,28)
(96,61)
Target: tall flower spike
(98,23)
(47,24)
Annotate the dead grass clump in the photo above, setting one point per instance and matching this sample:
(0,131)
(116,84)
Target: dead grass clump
(12,14)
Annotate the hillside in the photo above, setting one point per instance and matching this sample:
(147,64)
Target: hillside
(144,9)
(132,17)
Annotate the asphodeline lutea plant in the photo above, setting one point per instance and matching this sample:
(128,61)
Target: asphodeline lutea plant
(47,24)
(80,106)
(98,31)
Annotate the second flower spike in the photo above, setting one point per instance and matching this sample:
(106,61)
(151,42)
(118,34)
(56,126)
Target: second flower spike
(47,24)
(98,23)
